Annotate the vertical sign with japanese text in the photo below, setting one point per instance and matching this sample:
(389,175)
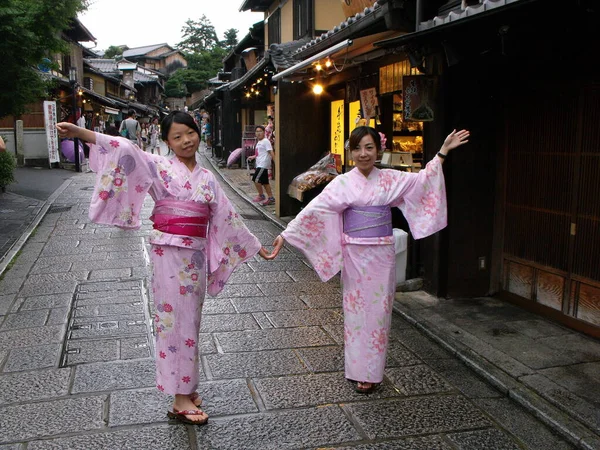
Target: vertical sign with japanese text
(337,128)
(51,134)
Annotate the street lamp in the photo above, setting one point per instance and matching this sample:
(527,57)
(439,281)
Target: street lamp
(73,81)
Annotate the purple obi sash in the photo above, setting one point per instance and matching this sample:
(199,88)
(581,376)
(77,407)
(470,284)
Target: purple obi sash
(368,221)
(181,217)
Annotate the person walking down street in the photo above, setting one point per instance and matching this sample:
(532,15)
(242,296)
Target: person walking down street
(144,136)
(348,227)
(154,132)
(130,128)
(197,242)
(264,158)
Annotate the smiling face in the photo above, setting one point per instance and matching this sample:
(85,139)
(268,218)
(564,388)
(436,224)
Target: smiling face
(184,141)
(365,155)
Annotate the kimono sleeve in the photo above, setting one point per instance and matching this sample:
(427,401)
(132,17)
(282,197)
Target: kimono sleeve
(122,181)
(422,199)
(317,230)
(230,243)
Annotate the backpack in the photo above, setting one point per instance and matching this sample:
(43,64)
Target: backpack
(124,131)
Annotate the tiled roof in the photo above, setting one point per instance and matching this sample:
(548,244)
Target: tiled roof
(103,65)
(139,51)
(282,55)
(469,11)
(140,77)
(359,17)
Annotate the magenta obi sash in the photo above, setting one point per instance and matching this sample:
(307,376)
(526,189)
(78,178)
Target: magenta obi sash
(368,221)
(181,217)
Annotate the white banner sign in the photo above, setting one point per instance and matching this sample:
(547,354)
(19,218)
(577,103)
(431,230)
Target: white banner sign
(51,133)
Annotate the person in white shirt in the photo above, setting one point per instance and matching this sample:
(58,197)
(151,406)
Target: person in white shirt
(264,157)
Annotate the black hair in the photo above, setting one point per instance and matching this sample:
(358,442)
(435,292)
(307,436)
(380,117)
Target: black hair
(259,126)
(360,132)
(131,113)
(177,117)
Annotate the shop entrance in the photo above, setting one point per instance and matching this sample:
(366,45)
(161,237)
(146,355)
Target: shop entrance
(551,235)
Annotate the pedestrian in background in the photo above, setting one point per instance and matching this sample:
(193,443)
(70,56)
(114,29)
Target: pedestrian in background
(130,128)
(264,159)
(348,227)
(144,136)
(196,230)
(154,132)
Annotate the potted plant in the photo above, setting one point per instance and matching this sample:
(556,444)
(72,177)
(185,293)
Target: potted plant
(7,166)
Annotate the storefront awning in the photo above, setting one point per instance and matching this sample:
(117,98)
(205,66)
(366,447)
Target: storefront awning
(307,62)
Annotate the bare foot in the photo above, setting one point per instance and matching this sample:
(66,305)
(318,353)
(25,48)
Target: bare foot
(195,397)
(183,402)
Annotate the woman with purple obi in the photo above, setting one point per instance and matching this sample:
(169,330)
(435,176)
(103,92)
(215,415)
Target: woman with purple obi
(197,240)
(348,227)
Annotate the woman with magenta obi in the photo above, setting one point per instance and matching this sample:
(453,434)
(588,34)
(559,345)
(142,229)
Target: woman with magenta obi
(348,227)
(197,242)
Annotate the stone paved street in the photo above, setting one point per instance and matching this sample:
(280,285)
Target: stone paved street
(77,370)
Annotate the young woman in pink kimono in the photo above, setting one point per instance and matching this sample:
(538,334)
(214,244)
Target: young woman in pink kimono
(197,242)
(348,227)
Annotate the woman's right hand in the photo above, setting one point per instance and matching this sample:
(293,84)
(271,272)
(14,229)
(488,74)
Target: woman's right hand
(67,130)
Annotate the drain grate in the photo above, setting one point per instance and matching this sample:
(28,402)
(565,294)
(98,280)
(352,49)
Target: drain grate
(59,209)
(108,320)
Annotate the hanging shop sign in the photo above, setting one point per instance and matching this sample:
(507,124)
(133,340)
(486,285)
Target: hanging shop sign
(418,93)
(51,134)
(368,100)
(337,128)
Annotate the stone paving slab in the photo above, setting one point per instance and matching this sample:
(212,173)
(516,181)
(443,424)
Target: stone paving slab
(275,303)
(305,318)
(314,390)
(44,301)
(423,443)
(30,358)
(228,322)
(522,425)
(489,439)
(217,306)
(245,341)
(284,430)
(254,364)
(31,336)
(418,380)
(114,375)
(165,437)
(405,417)
(37,385)
(68,416)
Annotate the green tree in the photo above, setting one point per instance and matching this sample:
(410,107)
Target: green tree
(198,36)
(231,39)
(30,30)
(115,50)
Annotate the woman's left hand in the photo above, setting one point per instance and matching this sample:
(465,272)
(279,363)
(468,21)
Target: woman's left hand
(455,139)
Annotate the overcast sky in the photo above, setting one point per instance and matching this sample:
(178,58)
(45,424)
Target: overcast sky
(138,23)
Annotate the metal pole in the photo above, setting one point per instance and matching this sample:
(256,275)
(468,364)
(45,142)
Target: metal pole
(76,140)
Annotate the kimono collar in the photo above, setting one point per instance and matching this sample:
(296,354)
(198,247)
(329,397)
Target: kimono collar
(374,173)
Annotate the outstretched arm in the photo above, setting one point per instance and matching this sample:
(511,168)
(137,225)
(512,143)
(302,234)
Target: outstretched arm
(453,140)
(69,130)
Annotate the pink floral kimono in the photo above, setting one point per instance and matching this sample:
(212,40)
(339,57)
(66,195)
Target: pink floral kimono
(197,242)
(367,263)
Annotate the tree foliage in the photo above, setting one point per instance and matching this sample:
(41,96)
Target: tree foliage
(30,30)
(115,50)
(231,39)
(198,36)
(204,54)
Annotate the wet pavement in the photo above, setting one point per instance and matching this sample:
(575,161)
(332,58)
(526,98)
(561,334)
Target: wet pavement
(77,369)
